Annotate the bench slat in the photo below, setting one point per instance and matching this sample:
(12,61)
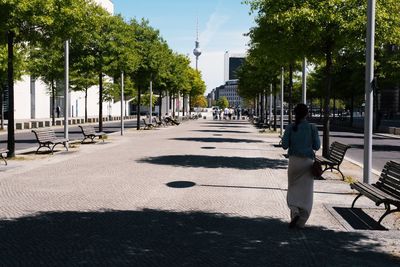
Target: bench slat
(374,193)
(386,190)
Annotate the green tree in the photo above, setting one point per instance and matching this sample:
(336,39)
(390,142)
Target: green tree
(199,101)
(223,102)
(149,43)
(20,21)
(197,89)
(322,31)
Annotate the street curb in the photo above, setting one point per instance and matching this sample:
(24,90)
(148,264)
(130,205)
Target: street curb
(378,173)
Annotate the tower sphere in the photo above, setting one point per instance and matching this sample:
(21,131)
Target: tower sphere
(197,51)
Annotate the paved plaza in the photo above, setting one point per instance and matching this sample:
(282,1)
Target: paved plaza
(205,193)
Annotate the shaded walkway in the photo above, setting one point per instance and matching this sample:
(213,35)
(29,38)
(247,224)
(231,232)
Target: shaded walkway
(163,238)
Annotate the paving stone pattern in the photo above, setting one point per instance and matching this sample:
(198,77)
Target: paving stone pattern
(205,193)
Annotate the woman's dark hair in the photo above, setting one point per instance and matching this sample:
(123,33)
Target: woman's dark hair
(300,112)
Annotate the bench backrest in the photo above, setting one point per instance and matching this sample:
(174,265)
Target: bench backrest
(87,129)
(44,136)
(337,151)
(389,181)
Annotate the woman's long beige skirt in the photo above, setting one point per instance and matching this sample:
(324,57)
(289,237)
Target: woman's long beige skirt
(300,188)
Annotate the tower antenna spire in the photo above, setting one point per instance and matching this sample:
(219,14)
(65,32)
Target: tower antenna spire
(197,50)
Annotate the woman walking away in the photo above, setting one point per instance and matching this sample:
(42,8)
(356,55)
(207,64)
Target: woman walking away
(302,139)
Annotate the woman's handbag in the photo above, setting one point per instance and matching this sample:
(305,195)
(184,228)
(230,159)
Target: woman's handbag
(316,169)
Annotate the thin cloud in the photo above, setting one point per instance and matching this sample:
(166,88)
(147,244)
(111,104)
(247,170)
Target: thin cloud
(214,23)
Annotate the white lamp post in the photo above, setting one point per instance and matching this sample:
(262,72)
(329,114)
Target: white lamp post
(369,94)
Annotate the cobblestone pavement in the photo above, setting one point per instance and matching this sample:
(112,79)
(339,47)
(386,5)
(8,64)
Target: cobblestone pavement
(205,193)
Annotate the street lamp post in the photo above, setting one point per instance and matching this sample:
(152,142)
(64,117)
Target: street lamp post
(304,85)
(282,93)
(151,103)
(122,103)
(66,102)
(369,97)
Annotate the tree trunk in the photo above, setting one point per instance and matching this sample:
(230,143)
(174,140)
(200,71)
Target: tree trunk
(190,104)
(321,108)
(255,107)
(325,148)
(53,103)
(183,105)
(334,109)
(262,107)
(173,106)
(86,117)
(100,101)
(10,80)
(275,114)
(160,104)
(2,108)
(290,92)
(138,109)
(352,110)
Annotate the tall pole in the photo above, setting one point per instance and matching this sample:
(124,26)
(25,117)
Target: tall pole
(282,93)
(122,103)
(10,83)
(151,102)
(369,95)
(304,85)
(270,103)
(66,93)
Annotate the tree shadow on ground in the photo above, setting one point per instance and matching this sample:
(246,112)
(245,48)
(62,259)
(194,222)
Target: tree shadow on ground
(216,140)
(201,161)
(164,238)
(223,126)
(221,131)
(226,122)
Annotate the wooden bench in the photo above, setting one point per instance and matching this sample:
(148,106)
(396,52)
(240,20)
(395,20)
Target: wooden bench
(3,151)
(47,138)
(147,126)
(158,122)
(89,132)
(386,190)
(171,121)
(335,157)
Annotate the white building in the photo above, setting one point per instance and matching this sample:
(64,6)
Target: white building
(32,98)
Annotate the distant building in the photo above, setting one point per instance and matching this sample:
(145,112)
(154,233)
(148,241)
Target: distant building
(228,90)
(232,63)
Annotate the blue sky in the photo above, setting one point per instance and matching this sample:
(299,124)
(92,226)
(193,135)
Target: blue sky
(222,24)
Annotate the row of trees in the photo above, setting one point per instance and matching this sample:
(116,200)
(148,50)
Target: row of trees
(33,33)
(331,35)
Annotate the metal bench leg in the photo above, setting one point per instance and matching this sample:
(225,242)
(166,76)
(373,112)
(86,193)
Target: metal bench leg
(387,212)
(40,146)
(5,161)
(340,172)
(52,149)
(354,201)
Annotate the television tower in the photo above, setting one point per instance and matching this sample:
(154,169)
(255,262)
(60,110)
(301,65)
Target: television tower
(197,50)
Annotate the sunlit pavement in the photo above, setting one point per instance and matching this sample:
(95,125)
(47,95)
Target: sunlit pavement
(205,193)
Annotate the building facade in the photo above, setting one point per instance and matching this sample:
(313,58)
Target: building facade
(232,62)
(228,90)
